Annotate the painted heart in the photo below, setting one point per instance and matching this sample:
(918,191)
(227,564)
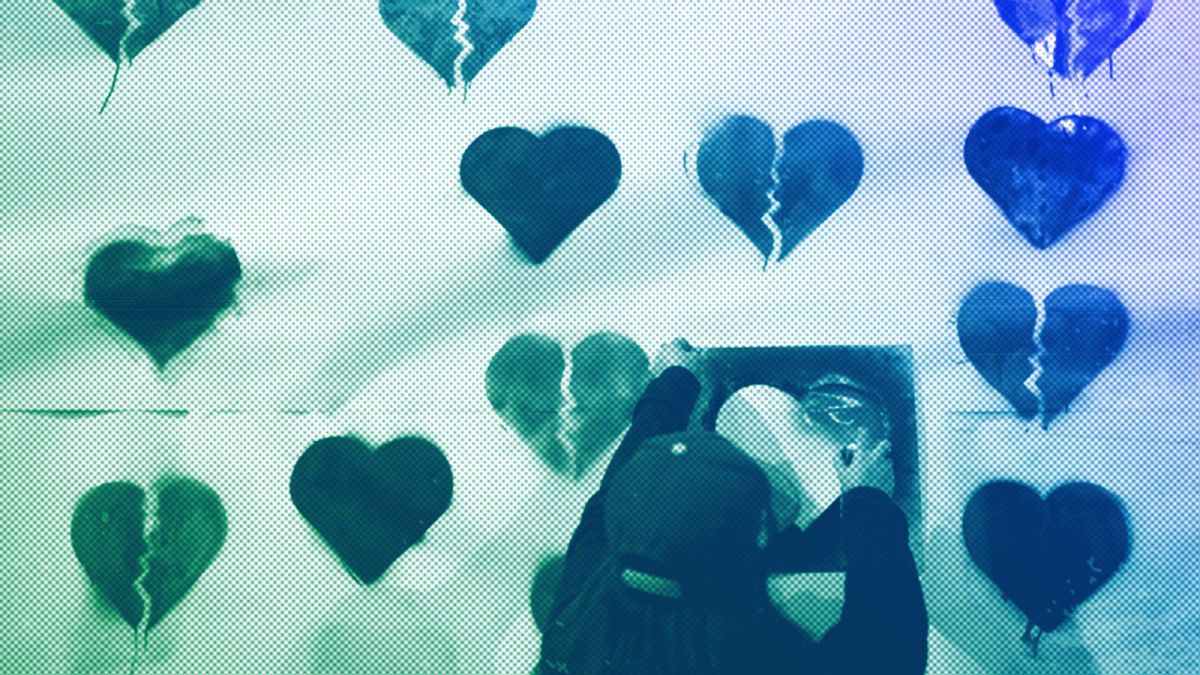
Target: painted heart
(1084,330)
(106,23)
(1046,556)
(540,188)
(995,329)
(457,46)
(820,166)
(1073,37)
(164,297)
(371,507)
(524,382)
(1045,177)
(108,535)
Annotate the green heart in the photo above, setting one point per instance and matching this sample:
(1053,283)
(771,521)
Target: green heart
(109,539)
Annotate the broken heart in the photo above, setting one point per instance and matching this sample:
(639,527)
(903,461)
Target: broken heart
(767,193)
(371,507)
(1045,177)
(145,571)
(524,384)
(1046,556)
(1083,332)
(1073,37)
(164,297)
(123,28)
(540,188)
(456,38)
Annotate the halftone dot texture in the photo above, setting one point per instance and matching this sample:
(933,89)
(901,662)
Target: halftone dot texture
(375,291)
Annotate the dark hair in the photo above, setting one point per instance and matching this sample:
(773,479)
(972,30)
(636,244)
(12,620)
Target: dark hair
(610,629)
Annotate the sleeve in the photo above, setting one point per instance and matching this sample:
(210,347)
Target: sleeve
(884,628)
(664,408)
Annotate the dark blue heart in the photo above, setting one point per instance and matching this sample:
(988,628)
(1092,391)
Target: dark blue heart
(1045,177)
(995,329)
(426,26)
(371,507)
(820,167)
(540,189)
(109,539)
(1073,37)
(1049,556)
(1084,331)
(163,297)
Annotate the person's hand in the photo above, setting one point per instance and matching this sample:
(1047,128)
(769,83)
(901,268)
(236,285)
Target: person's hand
(866,467)
(678,352)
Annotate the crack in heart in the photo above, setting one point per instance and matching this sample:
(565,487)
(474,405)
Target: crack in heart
(568,418)
(1073,37)
(456,38)
(778,192)
(1041,361)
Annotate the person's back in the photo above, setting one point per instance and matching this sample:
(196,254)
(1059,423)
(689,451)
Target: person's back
(666,573)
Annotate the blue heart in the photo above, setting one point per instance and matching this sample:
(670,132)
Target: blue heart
(1046,177)
(1073,37)
(428,28)
(371,507)
(1046,556)
(1084,331)
(820,167)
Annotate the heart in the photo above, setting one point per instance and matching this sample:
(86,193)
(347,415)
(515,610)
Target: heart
(429,28)
(524,382)
(164,297)
(1046,556)
(1084,331)
(995,329)
(1045,177)
(371,507)
(820,167)
(1073,37)
(109,539)
(540,188)
(105,22)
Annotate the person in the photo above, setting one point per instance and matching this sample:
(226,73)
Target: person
(666,572)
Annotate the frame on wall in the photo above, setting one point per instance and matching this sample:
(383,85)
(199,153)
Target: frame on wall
(885,371)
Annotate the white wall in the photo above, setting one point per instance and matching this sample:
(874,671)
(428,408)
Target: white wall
(376,289)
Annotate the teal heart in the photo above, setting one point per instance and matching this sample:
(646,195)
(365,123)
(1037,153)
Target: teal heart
(117,554)
(105,23)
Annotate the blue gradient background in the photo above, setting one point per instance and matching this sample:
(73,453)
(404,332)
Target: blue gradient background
(376,290)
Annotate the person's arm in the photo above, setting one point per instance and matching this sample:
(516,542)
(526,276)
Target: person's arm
(884,628)
(664,408)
